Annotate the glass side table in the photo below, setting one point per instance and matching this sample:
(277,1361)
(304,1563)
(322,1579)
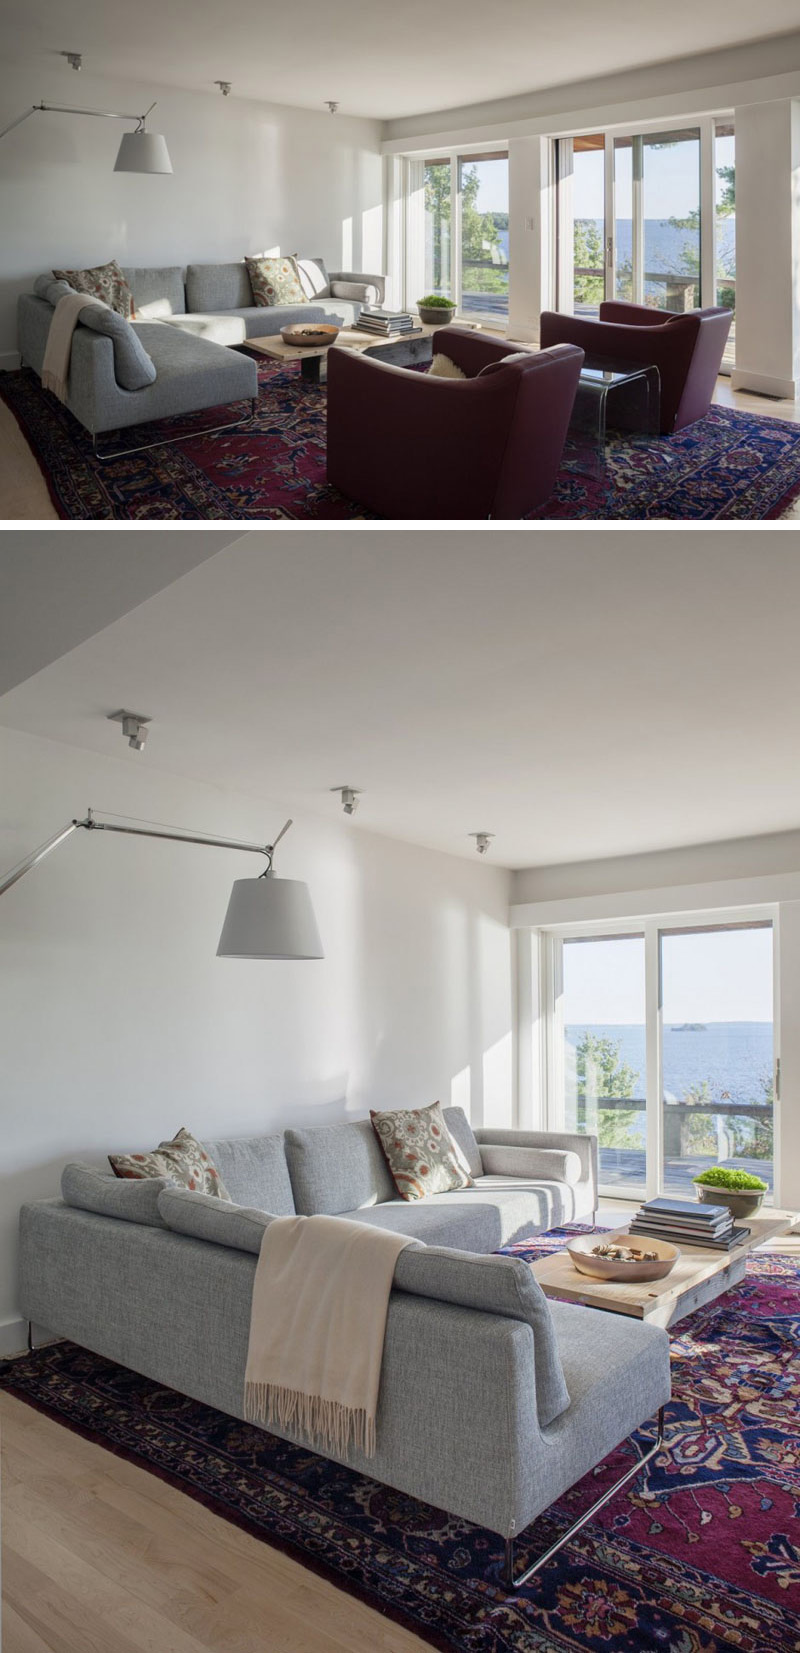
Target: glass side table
(621,396)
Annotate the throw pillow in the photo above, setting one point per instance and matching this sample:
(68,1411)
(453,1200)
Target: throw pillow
(420,1152)
(506,361)
(275,281)
(183,1159)
(359,292)
(442,368)
(133,368)
(106,282)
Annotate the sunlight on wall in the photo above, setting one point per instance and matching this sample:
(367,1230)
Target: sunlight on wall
(372,239)
(460,1090)
(497,1084)
(347,243)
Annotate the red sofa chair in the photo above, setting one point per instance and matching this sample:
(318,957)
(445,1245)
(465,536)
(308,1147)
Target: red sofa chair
(686,347)
(405,444)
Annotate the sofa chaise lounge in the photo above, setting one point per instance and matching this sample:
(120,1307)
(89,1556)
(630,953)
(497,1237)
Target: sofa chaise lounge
(492,1402)
(189,322)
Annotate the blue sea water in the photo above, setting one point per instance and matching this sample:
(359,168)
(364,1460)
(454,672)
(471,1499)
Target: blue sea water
(734,1058)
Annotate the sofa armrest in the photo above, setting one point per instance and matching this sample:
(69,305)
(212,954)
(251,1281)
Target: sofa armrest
(361,278)
(576,1142)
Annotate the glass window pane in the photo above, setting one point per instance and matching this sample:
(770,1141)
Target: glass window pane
(623,219)
(725,226)
(588,217)
(717,1050)
(671,185)
(483,186)
(604,1052)
(437,228)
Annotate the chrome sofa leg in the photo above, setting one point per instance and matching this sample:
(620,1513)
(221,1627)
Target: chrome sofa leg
(172,441)
(31,1344)
(541,1561)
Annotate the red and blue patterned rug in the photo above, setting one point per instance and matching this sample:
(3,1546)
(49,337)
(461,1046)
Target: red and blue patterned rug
(730,466)
(700,1554)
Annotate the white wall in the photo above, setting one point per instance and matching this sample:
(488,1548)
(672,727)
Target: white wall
(768,248)
(751,858)
(119,1023)
(247,176)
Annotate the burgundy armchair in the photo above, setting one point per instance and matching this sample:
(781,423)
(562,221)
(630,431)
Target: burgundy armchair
(405,444)
(686,348)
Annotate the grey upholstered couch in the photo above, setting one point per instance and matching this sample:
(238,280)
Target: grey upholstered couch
(186,320)
(493,1401)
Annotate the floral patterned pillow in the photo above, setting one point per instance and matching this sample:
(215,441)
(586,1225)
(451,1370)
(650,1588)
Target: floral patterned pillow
(184,1159)
(275,281)
(106,282)
(420,1152)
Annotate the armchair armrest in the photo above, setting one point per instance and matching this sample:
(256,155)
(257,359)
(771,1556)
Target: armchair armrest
(636,315)
(361,279)
(575,1142)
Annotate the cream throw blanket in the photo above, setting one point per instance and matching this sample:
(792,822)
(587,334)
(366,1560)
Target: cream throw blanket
(58,350)
(317,1323)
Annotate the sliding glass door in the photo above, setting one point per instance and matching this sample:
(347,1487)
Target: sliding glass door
(483,212)
(662,1045)
(456,231)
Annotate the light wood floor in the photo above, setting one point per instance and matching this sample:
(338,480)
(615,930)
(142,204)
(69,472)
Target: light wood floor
(101,1557)
(24,497)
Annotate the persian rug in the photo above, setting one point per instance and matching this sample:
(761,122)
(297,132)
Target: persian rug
(730,466)
(698,1555)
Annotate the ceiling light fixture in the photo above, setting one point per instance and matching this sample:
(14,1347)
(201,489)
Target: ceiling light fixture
(133,727)
(139,151)
(224,86)
(74,59)
(349,796)
(332,107)
(482,841)
(267,917)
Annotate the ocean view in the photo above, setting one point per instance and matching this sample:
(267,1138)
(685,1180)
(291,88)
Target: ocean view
(734,1058)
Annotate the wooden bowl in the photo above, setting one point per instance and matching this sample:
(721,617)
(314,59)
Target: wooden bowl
(604,1268)
(309,335)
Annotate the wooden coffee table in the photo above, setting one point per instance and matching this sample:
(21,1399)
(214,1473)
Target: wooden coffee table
(403,349)
(698,1277)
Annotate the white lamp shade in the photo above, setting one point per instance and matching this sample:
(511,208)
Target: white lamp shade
(270,918)
(143,152)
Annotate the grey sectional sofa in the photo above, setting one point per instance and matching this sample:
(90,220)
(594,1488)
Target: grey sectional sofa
(187,320)
(493,1401)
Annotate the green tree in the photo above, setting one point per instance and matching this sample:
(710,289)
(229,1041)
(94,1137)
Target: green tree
(600,1073)
(588,255)
(725,207)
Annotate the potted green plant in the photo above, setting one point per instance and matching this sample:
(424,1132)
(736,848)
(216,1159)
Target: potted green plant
(434,310)
(741,1192)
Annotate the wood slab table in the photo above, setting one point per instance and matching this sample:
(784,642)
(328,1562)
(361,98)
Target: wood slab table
(402,349)
(699,1275)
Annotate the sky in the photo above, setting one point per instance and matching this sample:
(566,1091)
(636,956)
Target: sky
(719,976)
(671,180)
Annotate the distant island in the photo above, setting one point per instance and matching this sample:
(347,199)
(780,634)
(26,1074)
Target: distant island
(690,1027)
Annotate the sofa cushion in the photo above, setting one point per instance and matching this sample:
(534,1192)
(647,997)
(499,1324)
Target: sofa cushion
(105,281)
(254,1171)
(498,1285)
(313,277)
(158,291)
(337,1168)
(275,281)
(220,1221)
(182,1158)
(462,1133)
(490,1214)
(93,1190)
(46,287)
(133,368)
(214,287)
(420,1152)
(551,1164)
(227,329)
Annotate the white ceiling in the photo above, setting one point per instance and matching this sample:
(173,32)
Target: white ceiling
(377,59)
(578,697)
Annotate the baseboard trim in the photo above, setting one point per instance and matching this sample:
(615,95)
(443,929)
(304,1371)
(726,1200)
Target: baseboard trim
(10,360)
(762,384)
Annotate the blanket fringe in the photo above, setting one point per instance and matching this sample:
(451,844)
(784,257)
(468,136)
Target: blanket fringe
(333,1426)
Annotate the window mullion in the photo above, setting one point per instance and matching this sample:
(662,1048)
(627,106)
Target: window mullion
(654,1087)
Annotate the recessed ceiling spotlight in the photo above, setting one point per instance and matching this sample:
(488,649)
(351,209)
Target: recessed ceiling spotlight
(224,86)
(133,727)
(349,796)
(74,59)
(482,841)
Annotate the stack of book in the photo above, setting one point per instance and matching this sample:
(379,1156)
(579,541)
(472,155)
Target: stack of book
(387,322)
(690,1223)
